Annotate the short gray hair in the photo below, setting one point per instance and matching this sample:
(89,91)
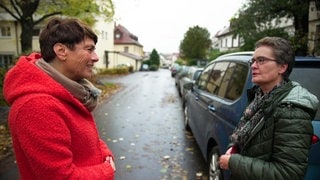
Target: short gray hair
(282,50)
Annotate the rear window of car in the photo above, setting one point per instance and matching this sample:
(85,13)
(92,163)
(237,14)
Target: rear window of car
(308,77)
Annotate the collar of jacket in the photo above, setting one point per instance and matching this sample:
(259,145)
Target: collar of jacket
(269,105)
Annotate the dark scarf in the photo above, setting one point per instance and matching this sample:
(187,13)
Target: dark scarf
(251,117)
(83,90)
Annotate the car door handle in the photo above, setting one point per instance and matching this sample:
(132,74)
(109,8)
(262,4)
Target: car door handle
(211,108)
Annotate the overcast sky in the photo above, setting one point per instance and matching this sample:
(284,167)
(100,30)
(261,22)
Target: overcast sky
(161,24)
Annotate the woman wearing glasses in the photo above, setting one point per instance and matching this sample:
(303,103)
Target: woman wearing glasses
(273,137)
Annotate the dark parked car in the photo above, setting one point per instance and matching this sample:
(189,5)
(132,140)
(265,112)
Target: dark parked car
(189,78)
(216,103)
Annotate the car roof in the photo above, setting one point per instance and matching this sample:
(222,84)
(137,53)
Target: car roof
(196,68)
(243,53)
(307,58)
(245,56)
(307,61)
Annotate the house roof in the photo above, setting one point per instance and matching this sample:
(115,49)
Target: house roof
(132,56)
(126,37)
(224,31)
(6,17)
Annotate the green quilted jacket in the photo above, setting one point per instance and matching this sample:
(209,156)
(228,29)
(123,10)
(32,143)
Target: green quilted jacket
(279,146)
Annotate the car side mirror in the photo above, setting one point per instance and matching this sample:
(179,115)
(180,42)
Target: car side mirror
(188,86)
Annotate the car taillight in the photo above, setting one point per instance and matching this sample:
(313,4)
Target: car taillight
(315,139)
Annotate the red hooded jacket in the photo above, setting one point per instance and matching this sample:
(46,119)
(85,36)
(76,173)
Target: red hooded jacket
(54,135)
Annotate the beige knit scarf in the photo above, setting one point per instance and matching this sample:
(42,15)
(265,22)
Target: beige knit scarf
(83,90)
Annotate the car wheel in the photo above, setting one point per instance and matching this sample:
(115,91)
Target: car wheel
(186,118)
(215,173)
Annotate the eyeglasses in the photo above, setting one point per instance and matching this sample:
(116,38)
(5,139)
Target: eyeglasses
(260,60)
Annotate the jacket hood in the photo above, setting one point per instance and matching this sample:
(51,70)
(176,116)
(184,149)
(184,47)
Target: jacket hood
(302,97)
(25,78)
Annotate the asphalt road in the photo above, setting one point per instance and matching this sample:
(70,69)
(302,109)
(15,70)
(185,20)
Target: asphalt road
(143,126)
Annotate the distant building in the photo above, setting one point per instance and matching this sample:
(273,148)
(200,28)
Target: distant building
(223,40)
(314,28)
(116,46)
(104,31)
(10,31)
(127,49)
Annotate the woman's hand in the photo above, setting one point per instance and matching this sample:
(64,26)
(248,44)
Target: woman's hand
(224,161)
(109,160)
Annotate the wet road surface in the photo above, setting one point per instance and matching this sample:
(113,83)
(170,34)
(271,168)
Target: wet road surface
(143,126)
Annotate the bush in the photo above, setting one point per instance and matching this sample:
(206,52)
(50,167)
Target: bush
(2,75)
(180,61)
(114,71)
(154,67)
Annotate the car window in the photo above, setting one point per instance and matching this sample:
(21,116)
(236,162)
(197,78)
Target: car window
(224,79)
(236,78)
(202,80)
(216,76)
(310,79)
(190,72)
(196,74)
(227,80)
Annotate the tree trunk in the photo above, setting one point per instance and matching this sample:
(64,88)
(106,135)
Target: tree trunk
(26,35)
(301,24)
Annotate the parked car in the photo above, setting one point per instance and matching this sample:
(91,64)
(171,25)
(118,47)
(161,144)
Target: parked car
(183,71)
(191,76)
(145,67)
(174,69)
(214,106)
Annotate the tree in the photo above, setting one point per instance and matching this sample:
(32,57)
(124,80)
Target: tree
(254,21)
(154,59)
(196,43)
(32,12)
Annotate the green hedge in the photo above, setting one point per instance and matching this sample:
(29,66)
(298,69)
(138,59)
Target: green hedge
(154,67)
(113,71)
(2,74)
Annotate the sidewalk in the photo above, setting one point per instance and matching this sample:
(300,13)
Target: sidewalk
(8,167)
(3,114)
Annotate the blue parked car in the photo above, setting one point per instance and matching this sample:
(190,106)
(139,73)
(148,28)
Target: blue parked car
(212,113)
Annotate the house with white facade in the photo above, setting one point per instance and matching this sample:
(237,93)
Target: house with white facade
(112,50)
(127,49)
(223,40)
(314,28)
(104,31)
(10,31)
